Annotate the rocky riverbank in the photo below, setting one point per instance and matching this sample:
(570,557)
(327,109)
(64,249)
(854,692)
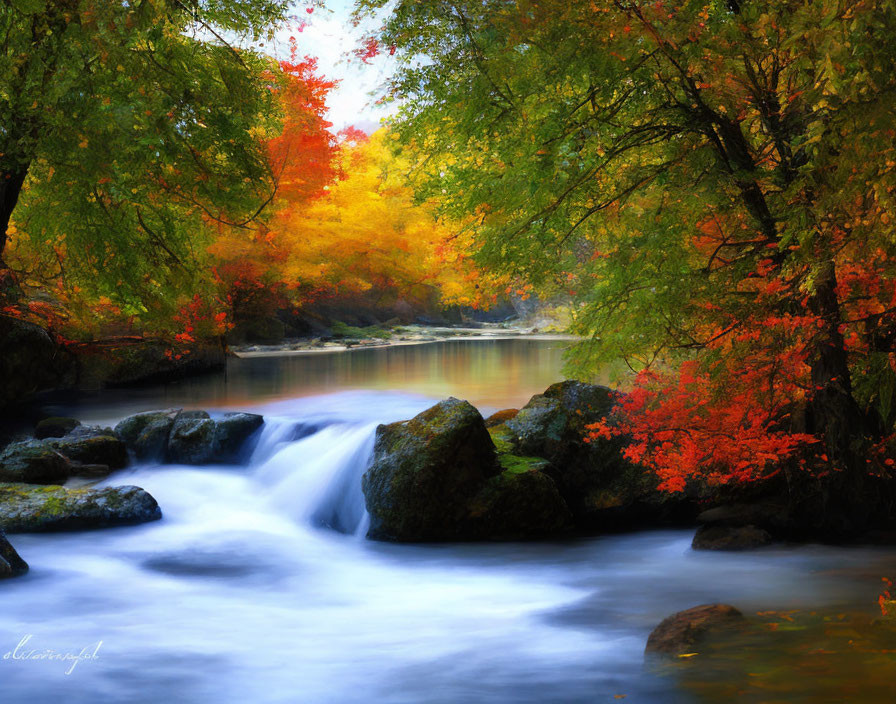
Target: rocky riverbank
(449,474)
(48,482)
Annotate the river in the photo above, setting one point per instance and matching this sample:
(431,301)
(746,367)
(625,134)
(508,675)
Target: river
(258,586)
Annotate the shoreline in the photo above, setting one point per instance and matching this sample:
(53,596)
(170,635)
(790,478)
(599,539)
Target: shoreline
(412,335)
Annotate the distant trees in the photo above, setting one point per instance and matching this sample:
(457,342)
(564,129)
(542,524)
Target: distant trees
(363,236)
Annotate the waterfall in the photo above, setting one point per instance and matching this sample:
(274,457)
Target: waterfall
(316,479)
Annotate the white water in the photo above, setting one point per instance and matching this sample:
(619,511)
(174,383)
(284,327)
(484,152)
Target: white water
(258,587)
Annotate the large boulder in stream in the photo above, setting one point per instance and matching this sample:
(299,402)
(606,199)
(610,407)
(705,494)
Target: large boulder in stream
(719,537)
(188,437)
(602,488)
(147,433)
(28,508)
(33,462)
(92,445)
(85,451)
(31,361)
(438,477)
(11,565)
(522,502)
(192,438)
(232,434)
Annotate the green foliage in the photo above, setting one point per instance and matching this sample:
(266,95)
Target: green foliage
(599,144)
(137,127)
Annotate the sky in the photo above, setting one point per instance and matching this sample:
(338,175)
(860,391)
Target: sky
(329,36)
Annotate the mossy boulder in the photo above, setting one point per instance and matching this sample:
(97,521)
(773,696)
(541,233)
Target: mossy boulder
(440,477)
(11,565)
(147,433)
(520,503)
(232,433)
(425,471)
(55,427)
(501,417)
(92,446)
(603,489)
(27,508)
(33,462)
(192,439)
(146,361)
(188,437)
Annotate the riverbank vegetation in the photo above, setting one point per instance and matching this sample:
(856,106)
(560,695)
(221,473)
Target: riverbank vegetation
(713,182)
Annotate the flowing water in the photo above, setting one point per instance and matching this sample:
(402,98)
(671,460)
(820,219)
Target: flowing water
(258,586)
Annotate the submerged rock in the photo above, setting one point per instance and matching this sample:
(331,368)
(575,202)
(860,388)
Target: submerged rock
(720,537)
(26,508)
(425,471)
(682,632)
(11,565)
(33,462)
(55,427)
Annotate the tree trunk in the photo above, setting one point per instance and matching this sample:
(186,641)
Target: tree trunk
(837,501)
(11,181)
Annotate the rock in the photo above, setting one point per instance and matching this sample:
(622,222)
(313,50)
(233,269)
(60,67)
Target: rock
(602,488)
(130,428)
(91,471)
(425,471)
(147,433)
(192,439)
(231,434)
(26,508)
(719,537)
(772,515)
(683,632)
(92,446)
(188,437)
(11,565)
(33,462)
(519,504)
(500,417)
(55,427)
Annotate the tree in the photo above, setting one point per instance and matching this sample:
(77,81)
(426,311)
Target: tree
(362,236)
(124,127)
(714,179)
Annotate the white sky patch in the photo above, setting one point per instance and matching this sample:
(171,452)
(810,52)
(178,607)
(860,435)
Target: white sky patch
(329,36)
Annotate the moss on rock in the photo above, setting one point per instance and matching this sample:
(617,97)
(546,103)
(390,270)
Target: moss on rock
(26,508)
